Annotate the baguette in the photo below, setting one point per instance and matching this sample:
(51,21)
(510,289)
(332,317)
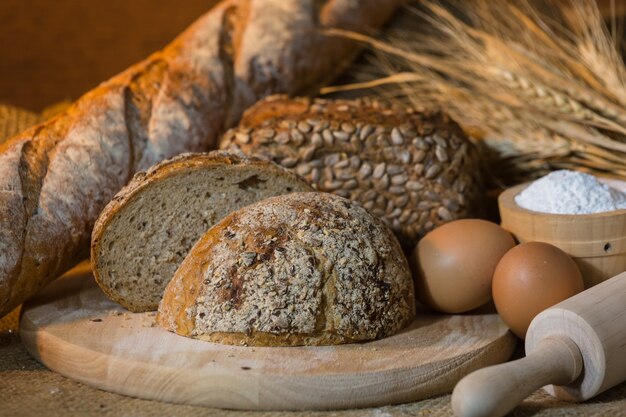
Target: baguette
(56,177)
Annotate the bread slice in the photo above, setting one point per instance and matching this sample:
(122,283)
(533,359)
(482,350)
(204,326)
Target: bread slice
(297,269)
(145,232)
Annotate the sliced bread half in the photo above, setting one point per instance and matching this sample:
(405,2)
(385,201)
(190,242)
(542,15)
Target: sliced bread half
(145,232)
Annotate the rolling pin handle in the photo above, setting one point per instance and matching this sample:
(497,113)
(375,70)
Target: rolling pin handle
(496,390)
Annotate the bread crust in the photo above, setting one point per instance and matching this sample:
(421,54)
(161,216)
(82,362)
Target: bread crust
(55,178)
(179,165)
(413,169)
(297,269)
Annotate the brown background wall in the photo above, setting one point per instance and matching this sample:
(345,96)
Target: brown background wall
(54,50)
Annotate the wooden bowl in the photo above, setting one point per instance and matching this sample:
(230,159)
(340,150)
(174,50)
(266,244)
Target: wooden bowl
(596,242)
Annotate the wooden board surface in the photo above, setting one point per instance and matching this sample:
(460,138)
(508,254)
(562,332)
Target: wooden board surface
(72,328)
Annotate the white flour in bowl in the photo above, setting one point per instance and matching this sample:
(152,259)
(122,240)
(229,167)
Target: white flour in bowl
(570,192)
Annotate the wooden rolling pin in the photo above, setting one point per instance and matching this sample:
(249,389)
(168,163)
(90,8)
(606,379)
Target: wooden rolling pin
(579,345)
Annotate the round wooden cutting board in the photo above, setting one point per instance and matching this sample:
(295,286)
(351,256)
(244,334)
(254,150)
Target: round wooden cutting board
(73,329)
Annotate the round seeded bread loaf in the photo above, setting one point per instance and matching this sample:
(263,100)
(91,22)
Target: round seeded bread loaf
(297,269)
(145,232)
(414,170)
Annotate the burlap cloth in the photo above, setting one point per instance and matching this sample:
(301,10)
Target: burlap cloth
(27,388)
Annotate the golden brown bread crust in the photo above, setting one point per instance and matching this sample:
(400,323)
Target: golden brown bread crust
(56,177)
(297,269)
(216,161)
(414,170)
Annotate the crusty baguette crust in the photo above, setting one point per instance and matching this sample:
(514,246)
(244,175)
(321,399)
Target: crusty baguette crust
(176,166)
(55,178)
(297,269)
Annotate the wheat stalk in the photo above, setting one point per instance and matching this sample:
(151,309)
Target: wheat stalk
(544,87)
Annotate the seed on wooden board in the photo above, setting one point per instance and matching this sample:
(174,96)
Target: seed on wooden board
(418,169)
(383,182)
(419,143)
(365,132)
(395,213)
(404,156)
(303,169)
(368,205)
(423,218)
(396,189)
(331,185)
(317,163)
(431,195)
(355,162)
(381,140)
(429,225)
(394,169)
(306,154)
(340,135)
(344,175)
(289,162)
(441,153)
(347,127)
(439,140)
(316,140)
(316,175)
(444,214)
(433,171)
(350,184)
(414,185)
(356,194)
(297,137)
(381,200)
(396,137)
(419,156)
(379,170)
(365,170)
(328,137)
(314,122)
(424,205)
(399,179)
(396,225)
(405,216)
(304,127)
(331,159)
(413,217)
(328,173)
(344,163)
(370,195)
(282,138)
(242,137)
(403,200)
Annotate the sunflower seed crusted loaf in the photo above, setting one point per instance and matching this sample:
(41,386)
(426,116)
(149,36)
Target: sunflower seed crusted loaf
(414,170)
(145,232)
(298,269)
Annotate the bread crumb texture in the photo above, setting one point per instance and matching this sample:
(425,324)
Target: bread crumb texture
(299,269)
(144,234)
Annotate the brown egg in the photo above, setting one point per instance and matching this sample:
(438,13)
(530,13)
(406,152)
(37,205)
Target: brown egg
(453,265)
(530,278)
